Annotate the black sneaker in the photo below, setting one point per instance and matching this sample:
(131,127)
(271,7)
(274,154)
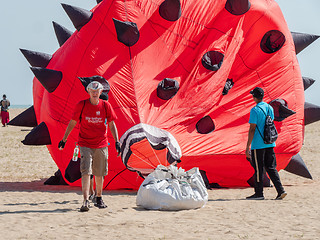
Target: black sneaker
(85,207)
(92,197)
(255,197)
(281,196)
(99,203)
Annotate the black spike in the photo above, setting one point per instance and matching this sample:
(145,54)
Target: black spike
(281,110)
(298,167)
(206,181)
(228,85)
(285,112)
(99,1)
(78,16)
(72,172)
(56,179)
(36,59)
(205,125)
(167,88)
(212,60)
(50,79)
(62,33)
(237,7)
(311,113)
(127,32)
(25,119)
(38,136)
(106,86)
(307,82)
(302,40)
(170,10)
(272,41)
(266,180)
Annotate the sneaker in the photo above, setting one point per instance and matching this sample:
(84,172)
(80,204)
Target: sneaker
(85,207)
(255,197)
(99,203)
(92,196)
(281,196)
(93,199)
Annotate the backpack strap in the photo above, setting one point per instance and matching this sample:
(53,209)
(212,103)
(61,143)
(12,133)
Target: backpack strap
(260,133)
(263,111)
(105,109)
(257,126)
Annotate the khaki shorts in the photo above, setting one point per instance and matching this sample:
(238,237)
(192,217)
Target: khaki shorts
(94,161)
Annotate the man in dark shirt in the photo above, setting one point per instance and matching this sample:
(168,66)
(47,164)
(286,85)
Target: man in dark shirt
(5,103)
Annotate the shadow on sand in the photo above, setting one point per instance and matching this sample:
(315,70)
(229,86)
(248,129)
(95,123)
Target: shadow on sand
(38,186)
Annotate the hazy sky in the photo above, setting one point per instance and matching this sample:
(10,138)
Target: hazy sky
(28,25)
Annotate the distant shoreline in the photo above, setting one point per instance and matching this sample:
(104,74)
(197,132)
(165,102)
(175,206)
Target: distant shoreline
(20,106)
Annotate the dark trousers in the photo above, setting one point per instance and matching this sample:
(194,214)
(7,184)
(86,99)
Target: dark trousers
(265,158)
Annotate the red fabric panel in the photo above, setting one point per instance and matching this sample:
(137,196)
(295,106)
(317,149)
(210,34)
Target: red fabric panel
(144,156)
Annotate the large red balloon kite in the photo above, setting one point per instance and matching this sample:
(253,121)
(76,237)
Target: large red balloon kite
(180,73)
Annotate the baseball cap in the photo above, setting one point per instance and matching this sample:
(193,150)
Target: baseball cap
(94,85)
(257,92)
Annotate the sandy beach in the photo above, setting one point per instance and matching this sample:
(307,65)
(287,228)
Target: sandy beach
(31,210)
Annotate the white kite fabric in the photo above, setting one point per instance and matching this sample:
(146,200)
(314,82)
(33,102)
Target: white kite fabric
(172,188)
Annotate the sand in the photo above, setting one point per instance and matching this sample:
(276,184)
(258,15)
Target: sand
(31,210)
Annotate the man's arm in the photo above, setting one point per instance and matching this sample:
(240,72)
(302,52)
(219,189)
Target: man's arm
(114,132)
(250,137)
(71,125)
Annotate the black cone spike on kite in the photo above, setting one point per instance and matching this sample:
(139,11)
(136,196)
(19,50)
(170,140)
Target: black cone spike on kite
(36,59)
(281,109)
(56,179)
(307,82)
(285,111)
(38,136)
(127,32)
(298,167)
(212,60)
(266,180)
(25,119)
(205,125)
(311,113)
(167,88)
(106,87)
(78,16)
(62,33)
(99,1)
(238,7)
(170,10)
(302,40)
(50,79)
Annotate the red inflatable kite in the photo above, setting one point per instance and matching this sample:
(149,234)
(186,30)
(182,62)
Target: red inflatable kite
(180,73)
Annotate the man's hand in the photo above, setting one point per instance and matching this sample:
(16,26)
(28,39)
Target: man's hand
(118,148)
(61,145)
(248,155)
